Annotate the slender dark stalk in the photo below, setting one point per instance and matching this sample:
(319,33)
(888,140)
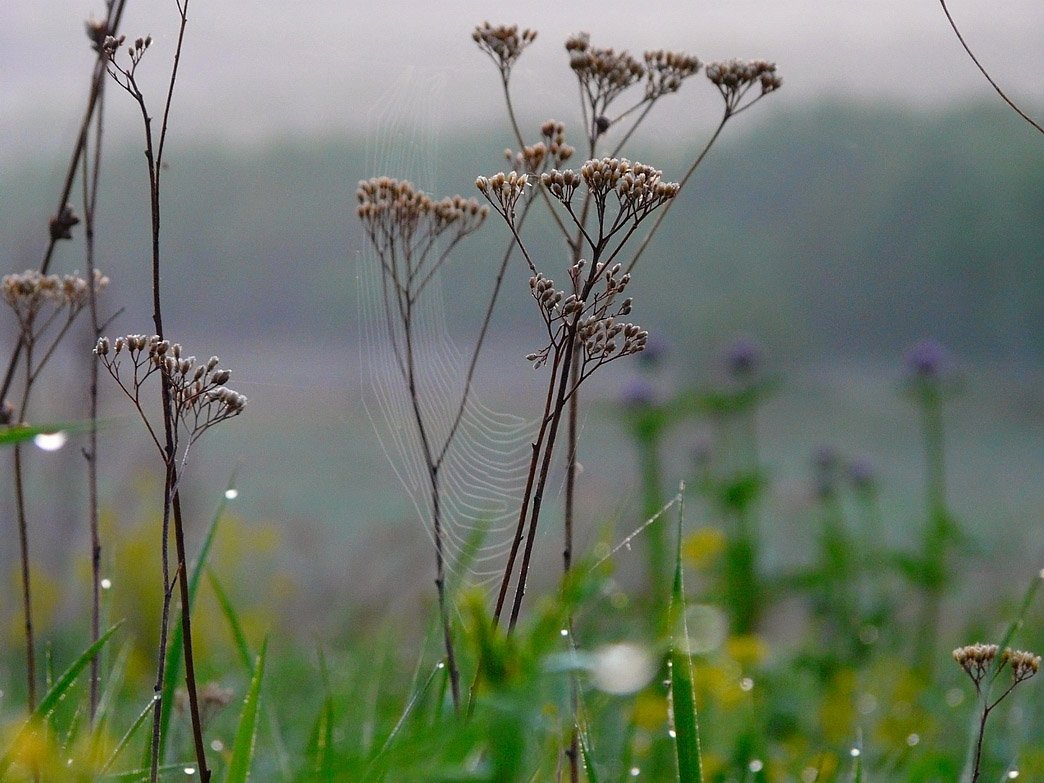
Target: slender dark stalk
(27,603)
(90,453)
(984,72)
(172,500)
(112,23)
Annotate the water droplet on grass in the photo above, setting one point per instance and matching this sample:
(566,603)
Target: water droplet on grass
(855,753)
(634,772)
(756,765)
(190,770)
(105,584)
(746,684)
(913,739)
(231,493)
(50,441)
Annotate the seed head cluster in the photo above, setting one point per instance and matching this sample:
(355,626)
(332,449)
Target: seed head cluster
(665,71)
(504,43)
(29,293)
(198,395)
(603,73)
(639,188)
(734,78)
(503,191)
(977,660)
(599,333)
(551,150)
(111,45)
(60,226)
(393,207)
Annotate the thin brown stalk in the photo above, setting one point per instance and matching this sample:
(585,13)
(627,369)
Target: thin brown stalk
(90,180)
(681,183)
(112,23)
(984,72)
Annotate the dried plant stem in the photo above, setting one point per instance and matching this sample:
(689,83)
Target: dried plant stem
(688,174)
(112,23)
(90,453)
(172,499)
(984,72)
(27,603)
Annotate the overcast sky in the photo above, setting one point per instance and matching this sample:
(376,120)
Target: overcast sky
(255,70)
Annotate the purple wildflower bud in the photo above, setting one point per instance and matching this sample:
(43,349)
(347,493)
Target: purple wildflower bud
(862,473)
(928,360)
(637,393)
(742,357)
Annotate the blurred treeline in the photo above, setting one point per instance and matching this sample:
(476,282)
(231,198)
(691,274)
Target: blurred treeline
(822,229)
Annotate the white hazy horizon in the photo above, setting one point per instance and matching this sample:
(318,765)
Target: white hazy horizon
(255,71)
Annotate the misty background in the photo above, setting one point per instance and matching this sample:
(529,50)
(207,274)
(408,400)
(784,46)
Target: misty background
(882,196)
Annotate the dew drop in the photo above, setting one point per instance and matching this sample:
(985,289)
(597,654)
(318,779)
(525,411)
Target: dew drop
(756,765)
(217,746)
(564,632)
(913,739)
(746,684)
(1012,774)
(50,441)
(68,762)
(442,665)
(672,733)
(231,493)
(634,772)
(855,753)
(105,584)
(190,770)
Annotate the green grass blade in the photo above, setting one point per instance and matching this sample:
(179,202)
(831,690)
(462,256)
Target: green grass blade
(585,754)
(127,736)
(138,775)
(172,673)
(232,618)
(684,728)
(246,733)
(19,433)
(51,700)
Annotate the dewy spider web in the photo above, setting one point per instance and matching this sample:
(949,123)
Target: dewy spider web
(483,473)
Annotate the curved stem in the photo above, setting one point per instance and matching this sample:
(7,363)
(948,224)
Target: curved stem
(667,207)
(984,72)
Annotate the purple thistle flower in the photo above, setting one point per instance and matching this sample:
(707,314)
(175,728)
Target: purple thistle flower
(928,360)
(742,358)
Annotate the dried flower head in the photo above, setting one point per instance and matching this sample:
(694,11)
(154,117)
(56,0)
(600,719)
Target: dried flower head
(638,188)
(665,71)
(396,208)
(198,397)
(503,191)
(7,413)
(976,659)
(97,32)
(1023,664)
(603,73)
(30,293)
(735,78)
(60,226)
(504,44)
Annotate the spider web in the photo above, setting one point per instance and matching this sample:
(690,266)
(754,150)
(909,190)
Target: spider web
(483,473)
